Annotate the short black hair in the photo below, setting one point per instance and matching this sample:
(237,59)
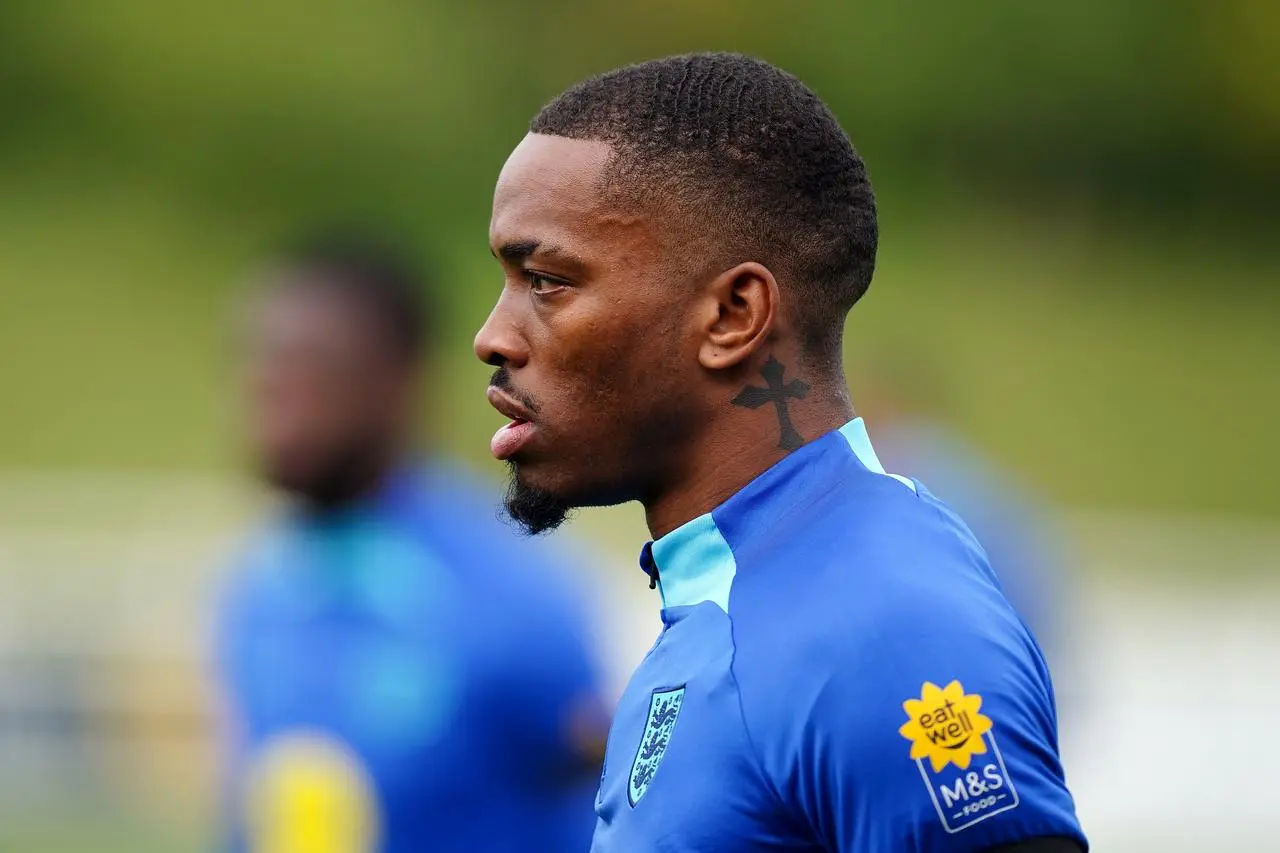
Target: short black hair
(750,153)
(378,278)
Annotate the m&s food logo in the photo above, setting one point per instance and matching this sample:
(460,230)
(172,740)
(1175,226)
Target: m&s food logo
(966,776)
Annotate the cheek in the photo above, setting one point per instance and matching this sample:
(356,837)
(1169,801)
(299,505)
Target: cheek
(611,358)
(629,377)
(284,413)
(612,364)
(307,417)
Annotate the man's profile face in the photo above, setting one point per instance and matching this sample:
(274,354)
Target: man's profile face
(322,395)
(589,336)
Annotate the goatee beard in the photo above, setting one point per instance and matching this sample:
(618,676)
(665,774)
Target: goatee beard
(534,510)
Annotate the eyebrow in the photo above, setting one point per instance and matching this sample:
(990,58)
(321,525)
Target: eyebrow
(518,250)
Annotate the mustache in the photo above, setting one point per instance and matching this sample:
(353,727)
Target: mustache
(501,380)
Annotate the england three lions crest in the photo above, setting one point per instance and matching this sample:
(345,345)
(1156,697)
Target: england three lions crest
(664,708)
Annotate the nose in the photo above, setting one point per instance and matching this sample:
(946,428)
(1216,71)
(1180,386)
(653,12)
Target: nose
(499,341)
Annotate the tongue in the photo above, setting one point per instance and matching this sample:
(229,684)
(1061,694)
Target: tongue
(507,440)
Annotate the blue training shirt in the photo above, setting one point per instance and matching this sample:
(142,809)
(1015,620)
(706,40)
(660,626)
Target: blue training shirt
(838,671)
(402,677)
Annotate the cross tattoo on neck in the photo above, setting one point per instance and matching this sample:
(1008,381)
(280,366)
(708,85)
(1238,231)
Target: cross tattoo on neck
(777,392)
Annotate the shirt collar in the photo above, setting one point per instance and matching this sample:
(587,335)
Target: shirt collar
(696,561)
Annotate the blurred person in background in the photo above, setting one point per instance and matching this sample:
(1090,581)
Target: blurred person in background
(902,397)
(401,671)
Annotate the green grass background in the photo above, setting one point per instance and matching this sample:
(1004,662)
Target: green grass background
(1077,204)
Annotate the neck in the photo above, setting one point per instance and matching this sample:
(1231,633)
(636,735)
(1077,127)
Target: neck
(742,444)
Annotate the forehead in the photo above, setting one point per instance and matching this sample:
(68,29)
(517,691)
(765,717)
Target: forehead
(549,193)
(291,309)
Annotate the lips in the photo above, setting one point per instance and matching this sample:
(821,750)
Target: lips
(510,438)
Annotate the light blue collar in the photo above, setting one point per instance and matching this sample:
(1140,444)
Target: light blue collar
(694,562)
(855,433)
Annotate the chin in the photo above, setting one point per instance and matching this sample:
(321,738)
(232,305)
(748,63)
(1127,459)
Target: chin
(288,479)
(328,485)
(536,509)
(540,500)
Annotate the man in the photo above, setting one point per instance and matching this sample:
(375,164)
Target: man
(403,672)
(838,669)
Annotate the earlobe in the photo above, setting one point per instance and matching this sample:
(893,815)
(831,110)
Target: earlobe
(742,311)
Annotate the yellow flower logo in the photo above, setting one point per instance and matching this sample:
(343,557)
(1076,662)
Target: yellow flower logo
(945,726)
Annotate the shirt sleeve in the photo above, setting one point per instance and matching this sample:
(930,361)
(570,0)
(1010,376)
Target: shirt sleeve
(939,736)
(906,719)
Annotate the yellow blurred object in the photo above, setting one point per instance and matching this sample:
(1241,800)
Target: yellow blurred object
(311,794)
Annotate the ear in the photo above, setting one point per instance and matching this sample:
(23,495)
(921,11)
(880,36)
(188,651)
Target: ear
(742,307)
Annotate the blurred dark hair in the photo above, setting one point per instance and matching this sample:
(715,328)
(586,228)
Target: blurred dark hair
(380,279)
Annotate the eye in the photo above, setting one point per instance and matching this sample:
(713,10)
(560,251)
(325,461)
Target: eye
(542,285)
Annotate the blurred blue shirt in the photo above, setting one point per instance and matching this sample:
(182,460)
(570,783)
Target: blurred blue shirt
(402,676)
